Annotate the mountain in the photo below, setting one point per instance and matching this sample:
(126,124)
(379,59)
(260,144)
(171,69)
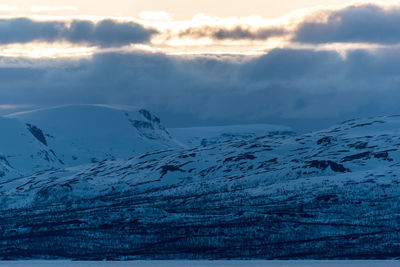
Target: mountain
(203,136)
(21,152)
(81,134)
(331,194)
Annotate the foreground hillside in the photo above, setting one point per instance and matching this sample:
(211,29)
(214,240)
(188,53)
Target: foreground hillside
(328,194)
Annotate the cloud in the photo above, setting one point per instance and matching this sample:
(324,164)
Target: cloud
(361,23)
(9,107)
(105,33)
(22,30)
(367,23)
(108,33)
(235,33)
(283,85)
(357,23)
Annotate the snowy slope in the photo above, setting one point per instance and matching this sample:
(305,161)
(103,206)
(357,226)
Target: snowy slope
(203,136)
(81,134)
(327,194)
(21,152)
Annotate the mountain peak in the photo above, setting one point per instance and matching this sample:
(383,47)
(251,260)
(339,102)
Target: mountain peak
(80,134)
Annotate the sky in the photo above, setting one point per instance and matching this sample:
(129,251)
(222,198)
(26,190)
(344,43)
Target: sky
(304,63)
(179,9)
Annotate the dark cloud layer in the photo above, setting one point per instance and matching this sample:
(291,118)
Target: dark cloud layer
(280,86)
(105,33)
(236,33)
(366,23)
(363,23)
(285,85)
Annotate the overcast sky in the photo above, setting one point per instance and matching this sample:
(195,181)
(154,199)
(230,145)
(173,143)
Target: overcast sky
(218,62)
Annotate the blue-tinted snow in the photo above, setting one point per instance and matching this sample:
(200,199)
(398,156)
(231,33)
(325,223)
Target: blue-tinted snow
(201,264)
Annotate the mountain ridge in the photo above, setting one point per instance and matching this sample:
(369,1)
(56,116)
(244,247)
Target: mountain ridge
(329,194)
(80,134)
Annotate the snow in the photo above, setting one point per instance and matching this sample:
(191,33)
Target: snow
(80,134)
(20,151)
(356,263)
(255,192)
(289,161)
(196,136)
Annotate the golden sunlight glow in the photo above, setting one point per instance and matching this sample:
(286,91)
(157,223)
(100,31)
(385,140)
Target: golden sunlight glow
(44,50)
(155,16)
(8,8)
(170,39)
(44,9)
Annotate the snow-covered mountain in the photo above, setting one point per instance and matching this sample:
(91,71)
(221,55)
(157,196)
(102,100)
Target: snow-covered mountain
(328,194)
(204,136)
(80,134)
(21,152)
